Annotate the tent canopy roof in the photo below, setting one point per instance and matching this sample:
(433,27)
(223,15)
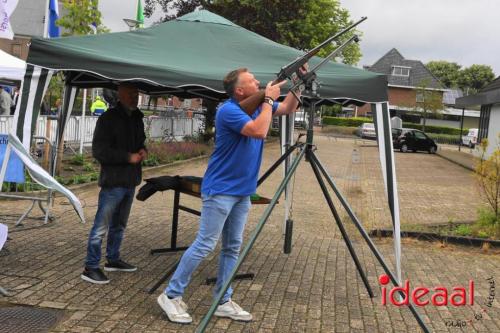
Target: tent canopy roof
(188,57)
(11,68)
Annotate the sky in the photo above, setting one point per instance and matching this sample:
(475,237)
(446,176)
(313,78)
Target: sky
(463,31)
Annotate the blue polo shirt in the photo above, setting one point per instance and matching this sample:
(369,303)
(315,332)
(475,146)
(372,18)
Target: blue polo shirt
(234,165)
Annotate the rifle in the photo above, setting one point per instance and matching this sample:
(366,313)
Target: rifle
(251,103)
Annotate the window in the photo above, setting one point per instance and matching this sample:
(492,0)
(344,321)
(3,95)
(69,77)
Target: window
(484,122)
(16,50)
(420,135)
(401,70)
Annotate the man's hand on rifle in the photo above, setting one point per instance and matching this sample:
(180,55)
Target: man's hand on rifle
(273,91)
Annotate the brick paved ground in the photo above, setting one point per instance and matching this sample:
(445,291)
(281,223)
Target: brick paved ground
(314,289)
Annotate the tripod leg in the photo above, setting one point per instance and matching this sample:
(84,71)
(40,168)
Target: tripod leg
(203,324)
(341,226)
(367,238)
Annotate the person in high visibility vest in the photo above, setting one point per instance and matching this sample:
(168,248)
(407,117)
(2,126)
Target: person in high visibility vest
(98,107)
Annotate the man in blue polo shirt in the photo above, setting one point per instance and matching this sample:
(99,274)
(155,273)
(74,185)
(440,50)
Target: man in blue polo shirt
(230,179)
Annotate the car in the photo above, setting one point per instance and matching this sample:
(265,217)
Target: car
(471,138)
(414,140)
(301,120)
(366,130)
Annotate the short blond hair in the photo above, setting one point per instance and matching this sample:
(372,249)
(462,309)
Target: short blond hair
(231,79)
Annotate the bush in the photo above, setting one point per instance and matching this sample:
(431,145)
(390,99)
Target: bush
(349,122)
(78,159)
(463,230)
(355,122)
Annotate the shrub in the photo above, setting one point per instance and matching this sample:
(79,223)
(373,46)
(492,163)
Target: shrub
(463,230)
(88,167)
(78,159)
(355,122)
(350,122)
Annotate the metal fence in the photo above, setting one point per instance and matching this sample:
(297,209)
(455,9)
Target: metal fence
(156,127)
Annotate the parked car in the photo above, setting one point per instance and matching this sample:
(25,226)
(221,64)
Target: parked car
(366,130)
(471,138)
(301,120)
(397,132)
(414,140)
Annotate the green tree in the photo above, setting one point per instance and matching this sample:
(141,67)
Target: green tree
(446,72)
(80,16)
(299,24)
(428,101)
(474,78)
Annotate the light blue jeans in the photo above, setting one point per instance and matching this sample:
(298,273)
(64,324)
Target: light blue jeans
(112,216)
(220,214)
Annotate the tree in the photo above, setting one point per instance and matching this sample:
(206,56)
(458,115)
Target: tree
(474,78)
(446,72)
(81,16)
(299,24)
(428,100)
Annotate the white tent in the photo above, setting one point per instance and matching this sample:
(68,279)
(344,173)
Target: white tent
(11,68)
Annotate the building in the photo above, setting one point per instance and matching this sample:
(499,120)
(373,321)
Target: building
(488,99)
(407,79)
(27,20)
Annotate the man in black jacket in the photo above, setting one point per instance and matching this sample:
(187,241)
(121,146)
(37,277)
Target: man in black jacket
(118,145)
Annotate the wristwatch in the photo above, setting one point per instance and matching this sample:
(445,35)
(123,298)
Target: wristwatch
(269,100)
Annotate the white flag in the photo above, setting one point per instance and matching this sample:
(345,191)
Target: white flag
(6,9)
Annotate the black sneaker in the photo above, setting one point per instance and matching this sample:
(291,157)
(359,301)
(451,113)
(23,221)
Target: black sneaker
(119,265)
(94,275)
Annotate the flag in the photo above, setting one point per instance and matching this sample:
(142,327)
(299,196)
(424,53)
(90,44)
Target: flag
(6,9)
(140,15)
(53,17)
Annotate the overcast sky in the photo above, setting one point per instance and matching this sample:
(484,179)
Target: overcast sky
(463,31)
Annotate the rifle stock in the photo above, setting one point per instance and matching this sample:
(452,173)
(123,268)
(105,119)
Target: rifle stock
(251,103)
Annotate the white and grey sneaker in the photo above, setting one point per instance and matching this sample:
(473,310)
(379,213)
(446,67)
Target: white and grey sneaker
(232,310)
(175,309)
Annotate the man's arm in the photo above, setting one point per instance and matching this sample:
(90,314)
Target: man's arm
(289,105)
(259,127)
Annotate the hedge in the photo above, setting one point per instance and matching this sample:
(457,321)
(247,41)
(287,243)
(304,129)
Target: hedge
(355,122)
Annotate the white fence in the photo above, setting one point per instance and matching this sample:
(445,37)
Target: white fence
(157,128)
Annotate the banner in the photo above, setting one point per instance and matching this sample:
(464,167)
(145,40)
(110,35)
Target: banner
(6,9)
(15,167)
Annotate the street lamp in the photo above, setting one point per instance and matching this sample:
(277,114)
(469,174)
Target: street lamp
(132,24)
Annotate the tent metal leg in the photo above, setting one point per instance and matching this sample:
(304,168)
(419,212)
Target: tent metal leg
(4,292)
(18,223)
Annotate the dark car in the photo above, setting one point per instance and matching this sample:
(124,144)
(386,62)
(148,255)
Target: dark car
(412,140)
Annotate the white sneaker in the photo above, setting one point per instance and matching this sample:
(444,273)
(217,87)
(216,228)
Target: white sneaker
(175,309)
(232,310)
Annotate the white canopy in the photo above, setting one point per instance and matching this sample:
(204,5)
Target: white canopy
(11,68)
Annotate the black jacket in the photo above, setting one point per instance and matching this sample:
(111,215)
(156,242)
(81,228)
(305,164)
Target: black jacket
(116,136)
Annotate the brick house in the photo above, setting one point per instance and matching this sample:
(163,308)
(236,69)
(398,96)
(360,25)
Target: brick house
(404,77)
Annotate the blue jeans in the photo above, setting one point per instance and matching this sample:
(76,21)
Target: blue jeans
(220,214)
(112,216)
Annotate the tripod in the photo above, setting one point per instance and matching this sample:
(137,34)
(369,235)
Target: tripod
(307,150)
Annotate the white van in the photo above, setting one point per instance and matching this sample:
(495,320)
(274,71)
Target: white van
(471,138)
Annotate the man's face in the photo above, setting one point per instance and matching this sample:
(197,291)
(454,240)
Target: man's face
(247,85)
(129,96)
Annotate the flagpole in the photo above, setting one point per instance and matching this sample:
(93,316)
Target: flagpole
(46,20)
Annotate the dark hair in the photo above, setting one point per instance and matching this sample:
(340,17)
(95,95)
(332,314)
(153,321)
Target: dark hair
(231,79)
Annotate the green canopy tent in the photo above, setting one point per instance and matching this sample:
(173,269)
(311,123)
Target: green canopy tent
(188,57)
